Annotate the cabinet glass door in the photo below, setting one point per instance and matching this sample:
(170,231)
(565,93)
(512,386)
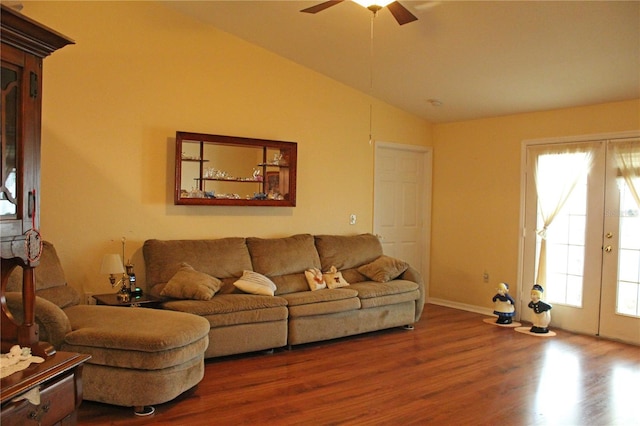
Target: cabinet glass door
(9,106)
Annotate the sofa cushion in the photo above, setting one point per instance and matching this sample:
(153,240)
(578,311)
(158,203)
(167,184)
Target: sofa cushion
(370,289)
(135,338)
(48,274)
(322,302)
(283,256)
(62,296)
(188,283)
(325,308)
(325,295)
(384,269)
(225,304)
(345,252)
(251,317)
(220,258)
(290,283)
(147,330)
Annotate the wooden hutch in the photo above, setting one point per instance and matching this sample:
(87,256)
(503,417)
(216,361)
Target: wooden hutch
(58,379)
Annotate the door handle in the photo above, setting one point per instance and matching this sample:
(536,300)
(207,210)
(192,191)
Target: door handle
(608,249)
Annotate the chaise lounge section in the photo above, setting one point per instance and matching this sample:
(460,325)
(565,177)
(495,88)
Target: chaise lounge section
(139,357)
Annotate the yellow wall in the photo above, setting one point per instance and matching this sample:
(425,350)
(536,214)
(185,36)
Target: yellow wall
(138,73)
(476,193)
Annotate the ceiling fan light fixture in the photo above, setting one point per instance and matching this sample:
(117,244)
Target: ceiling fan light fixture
(373,5)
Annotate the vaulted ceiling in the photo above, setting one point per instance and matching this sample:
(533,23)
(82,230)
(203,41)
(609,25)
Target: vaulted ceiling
(477,58)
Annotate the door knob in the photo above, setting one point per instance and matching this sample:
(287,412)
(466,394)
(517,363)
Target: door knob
(607,249)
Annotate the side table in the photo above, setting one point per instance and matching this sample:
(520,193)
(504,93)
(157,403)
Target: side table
(59,380)
(144,301)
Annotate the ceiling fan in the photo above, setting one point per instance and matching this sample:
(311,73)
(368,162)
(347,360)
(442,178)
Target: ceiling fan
(402,15)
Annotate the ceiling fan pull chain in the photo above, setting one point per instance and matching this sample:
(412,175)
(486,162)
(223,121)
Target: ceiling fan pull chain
(373,16)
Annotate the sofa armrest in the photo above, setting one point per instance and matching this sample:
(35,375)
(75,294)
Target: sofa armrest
(412,274)
(53,323)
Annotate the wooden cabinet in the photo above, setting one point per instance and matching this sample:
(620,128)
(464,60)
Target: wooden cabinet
(58,382)
(24,45)
(234,171)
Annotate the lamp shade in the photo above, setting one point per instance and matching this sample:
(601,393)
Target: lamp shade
(111,264)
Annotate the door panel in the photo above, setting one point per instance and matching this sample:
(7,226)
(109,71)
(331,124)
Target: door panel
(402,202)
(620,315)
(572,284)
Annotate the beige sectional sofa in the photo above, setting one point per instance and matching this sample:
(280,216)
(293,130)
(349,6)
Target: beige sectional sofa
(376,297)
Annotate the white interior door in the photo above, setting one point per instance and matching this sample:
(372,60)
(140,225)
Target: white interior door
(402,202)
(591,274)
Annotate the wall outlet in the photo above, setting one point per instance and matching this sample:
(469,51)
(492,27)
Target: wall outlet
(485,277)
(88,299)
(352,219)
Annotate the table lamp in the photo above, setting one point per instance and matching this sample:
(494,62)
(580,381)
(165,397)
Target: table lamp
(112,265)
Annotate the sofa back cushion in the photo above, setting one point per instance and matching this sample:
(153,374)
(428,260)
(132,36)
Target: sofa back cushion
(51,283)
(221,258)
(284,260)
(347,251)
(49,271)
(282,256)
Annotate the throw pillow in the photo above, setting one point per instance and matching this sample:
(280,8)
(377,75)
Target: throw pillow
(383,269)
(334,278)
(255,283)
(188,283)
(315,279)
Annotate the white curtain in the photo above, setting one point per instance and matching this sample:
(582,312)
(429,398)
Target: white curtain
(557,171)
(627,155)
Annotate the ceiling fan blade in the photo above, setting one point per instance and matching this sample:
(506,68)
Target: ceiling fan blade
(322,6)
(402,15)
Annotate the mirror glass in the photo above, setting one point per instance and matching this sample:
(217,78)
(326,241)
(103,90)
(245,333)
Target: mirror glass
(228,170)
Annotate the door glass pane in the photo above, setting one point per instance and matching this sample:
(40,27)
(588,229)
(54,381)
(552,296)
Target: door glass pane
(628,294)
(566,246)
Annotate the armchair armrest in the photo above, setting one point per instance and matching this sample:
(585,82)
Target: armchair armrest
(52,321)
(412,274)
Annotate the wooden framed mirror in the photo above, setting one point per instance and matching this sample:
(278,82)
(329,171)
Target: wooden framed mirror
(221,170)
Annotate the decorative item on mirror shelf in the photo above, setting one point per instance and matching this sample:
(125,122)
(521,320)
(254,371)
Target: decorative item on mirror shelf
(188,157)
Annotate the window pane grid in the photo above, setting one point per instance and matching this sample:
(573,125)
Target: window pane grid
(565,249)
(628,291)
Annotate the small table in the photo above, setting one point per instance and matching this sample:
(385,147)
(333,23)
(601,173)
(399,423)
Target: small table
(59,379)
(144,301)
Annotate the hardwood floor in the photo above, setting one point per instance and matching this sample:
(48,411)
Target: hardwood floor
(453,369)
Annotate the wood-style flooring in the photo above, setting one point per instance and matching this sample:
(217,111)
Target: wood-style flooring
(453,369)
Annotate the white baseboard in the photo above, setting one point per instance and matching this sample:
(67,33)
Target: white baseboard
(462,306)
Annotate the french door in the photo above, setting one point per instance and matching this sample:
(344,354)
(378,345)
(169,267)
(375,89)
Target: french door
(582,235)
